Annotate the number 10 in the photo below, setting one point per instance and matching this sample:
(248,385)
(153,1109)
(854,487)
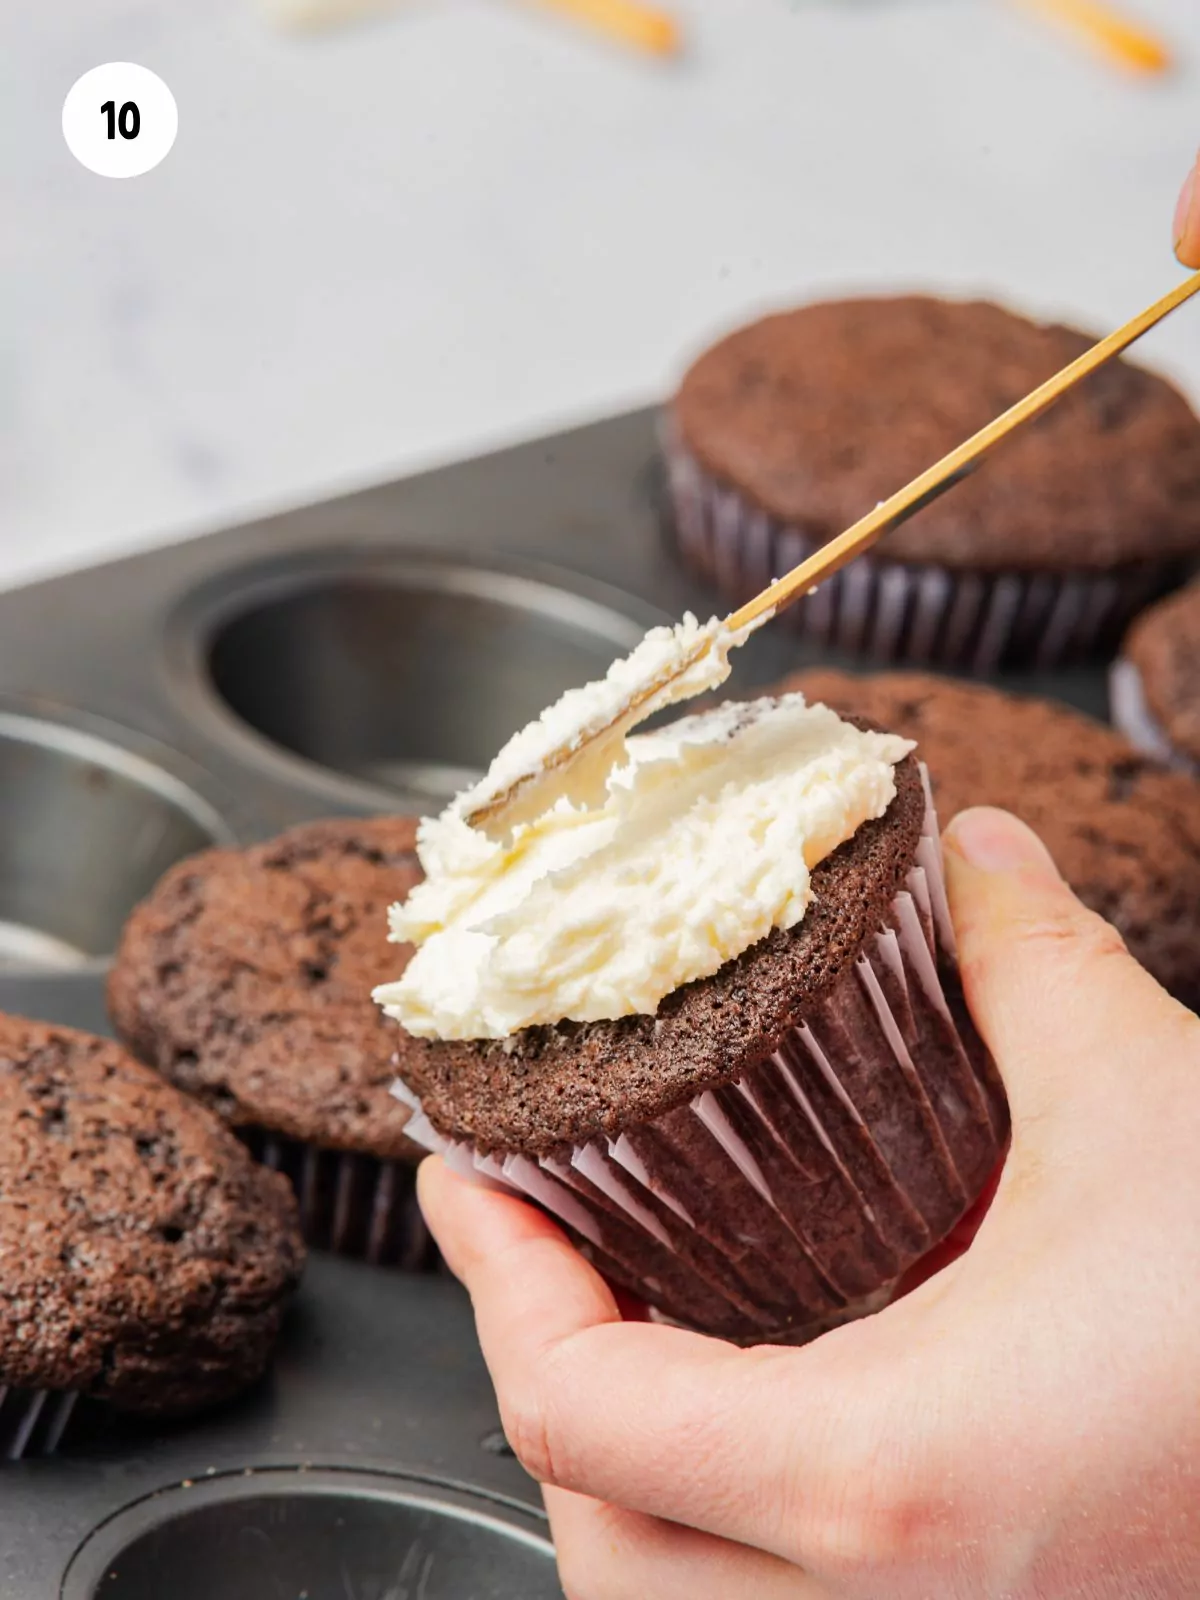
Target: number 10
(127,121)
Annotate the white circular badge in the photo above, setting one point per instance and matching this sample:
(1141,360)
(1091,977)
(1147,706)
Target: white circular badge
(119,120)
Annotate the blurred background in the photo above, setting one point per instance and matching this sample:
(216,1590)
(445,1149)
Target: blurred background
(454,224)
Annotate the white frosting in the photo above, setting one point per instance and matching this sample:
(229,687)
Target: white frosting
(704,842)
(652,670)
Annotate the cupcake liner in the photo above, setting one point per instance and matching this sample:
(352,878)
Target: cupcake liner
(796,1196)
(33,1421)
(977,622)
(351,1204)
(1132,715)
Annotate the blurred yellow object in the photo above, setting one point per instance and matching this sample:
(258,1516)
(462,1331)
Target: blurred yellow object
(1124,41)
(627,21)
(315,15)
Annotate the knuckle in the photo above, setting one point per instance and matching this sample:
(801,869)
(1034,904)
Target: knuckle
(537,1419)
(878,1515)
(527,1429)
(1074,930)
(1065,934)
(879,1530)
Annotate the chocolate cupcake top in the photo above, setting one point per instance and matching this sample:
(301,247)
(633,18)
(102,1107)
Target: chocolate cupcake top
(545,1088)
(816,415)
(246,979)
(144,1257)
(1124,832)
(1164,646)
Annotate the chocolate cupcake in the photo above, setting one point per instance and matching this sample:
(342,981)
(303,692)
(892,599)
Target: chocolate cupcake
(145,1258)
(759,1150)
(1154,687)
(790,429)
(1124,832)
(245,978)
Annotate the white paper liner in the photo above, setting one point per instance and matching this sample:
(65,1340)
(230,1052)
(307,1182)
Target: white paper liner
(1131,713)
(33,1421)
(351,1204)
(797,1196)
(897,611)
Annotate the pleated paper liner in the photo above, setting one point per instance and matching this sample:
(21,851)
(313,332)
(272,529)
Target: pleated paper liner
(1132,715)
(796,1197)
(351,1204)
(33,1422)
(976,622)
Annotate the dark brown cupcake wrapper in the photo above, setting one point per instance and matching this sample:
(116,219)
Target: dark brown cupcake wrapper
(33,1422)
(351,1204)
(797,1196)
(976,622)
(1132,715)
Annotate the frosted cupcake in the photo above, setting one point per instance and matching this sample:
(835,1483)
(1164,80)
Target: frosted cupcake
(789,430)
(711,1020)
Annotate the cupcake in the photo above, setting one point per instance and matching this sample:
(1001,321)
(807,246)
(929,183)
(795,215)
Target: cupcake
(145,1258)
(712,1022)
(789,430)
(1154,688)
(245,978)
(1124,831)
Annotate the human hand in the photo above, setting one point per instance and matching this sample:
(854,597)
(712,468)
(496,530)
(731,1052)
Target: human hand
(1187,219)
(1025,1424)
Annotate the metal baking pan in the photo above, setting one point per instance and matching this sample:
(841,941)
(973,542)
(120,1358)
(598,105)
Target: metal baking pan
(362,655)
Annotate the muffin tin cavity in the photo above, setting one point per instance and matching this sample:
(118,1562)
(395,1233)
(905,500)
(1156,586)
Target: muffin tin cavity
(315,1534)
(86,829)
(407,673)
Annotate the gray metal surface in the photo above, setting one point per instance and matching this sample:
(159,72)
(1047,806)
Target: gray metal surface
(342,658)
(404,672)
(87,827)
(377,1372)
(310,1532)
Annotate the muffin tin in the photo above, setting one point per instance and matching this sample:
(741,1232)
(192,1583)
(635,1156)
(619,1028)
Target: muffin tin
(366,654)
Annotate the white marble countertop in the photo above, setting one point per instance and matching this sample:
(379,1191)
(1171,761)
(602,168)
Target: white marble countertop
(465,223)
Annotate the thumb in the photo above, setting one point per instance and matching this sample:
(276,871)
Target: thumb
(1069,1015)
(1187,219)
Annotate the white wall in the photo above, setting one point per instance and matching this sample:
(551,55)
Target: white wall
(465,224)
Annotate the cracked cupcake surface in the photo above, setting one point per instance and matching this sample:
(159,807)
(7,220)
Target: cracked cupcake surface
(1124,831)
(145,1259)
(246,976)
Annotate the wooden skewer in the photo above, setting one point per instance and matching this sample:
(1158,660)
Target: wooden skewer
(1095,20)
(533,794)
(629,22)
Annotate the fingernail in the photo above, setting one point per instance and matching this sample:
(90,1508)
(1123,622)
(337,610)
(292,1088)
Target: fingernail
(995,841)
(1183,208)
